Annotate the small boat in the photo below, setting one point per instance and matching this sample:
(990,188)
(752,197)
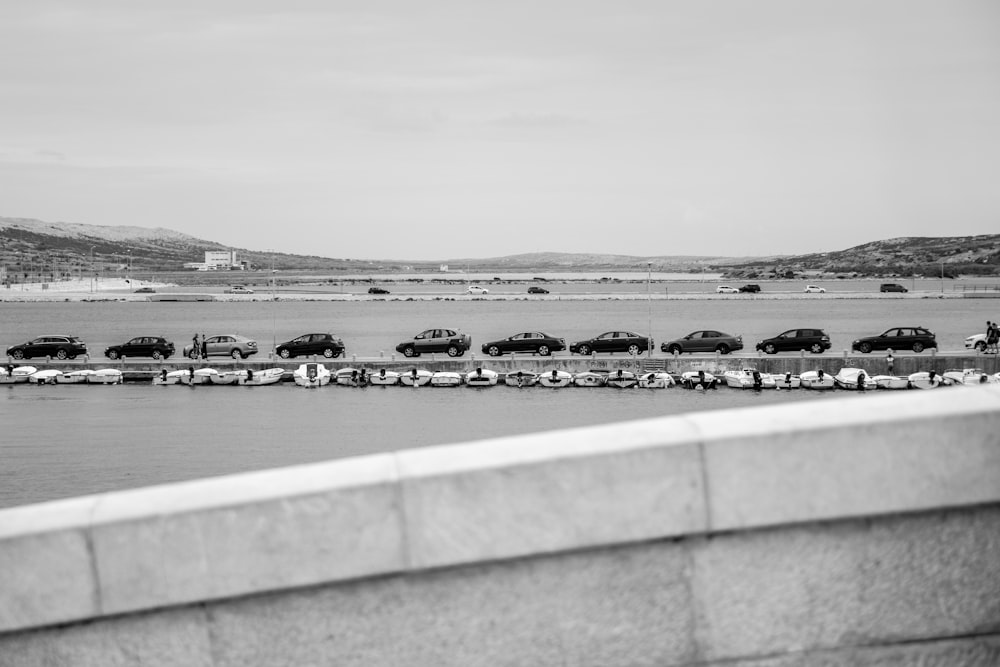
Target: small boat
(854,379)
(555,379)
(749,378)
(415,377)
(6,377)
(311,375)
(521,379)
(928,380)
(19,374)
(74,377)
(622,379)
(969,376)
(786,380)
(203,376)
(351,377)
(481,377)
(47,376)
(384,377)
(656,380)
(698,380)
(227,377)
(446,379)
(891,382)
(252,378)
(174,377)
(105,376)
(590,379)
(816,380)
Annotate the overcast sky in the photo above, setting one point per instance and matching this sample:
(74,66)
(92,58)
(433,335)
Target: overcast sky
(431,129)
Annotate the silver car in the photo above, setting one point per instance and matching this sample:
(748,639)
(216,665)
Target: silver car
(226,345)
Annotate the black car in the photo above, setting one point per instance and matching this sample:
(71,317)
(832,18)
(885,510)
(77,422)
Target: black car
(897,338)
(706,340)
(793,340)
(377,290)
(751,288)
(156,347)
(613,341)
(892,287)
(58,346)
(327,344)
(534,289)
(453,342)
(535,342)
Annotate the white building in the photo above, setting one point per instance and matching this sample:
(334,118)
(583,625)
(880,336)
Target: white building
(222,259)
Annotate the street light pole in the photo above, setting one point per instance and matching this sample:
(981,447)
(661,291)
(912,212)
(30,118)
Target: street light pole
(942,276)
(649,308)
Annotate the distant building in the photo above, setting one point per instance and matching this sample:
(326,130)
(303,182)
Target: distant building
(444,268)
(222,259)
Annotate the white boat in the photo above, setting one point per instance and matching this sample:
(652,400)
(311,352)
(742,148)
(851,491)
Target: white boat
(19,374)
(698,380)
(173,377)
(446,379)
(891,382)
(351,377)
(589,379)
(204,376)
(105,376)
(816,380)
(622,379)
(969,376)
(656,380)
(47,376)
(854,379)
(928,380)
(6,377)
(384,377)
(555,379)
(74,377)
(786,380)
(481,377)
(228,377)
(252,378)
(521,379)
(749,378)
(311,375)
(415,377)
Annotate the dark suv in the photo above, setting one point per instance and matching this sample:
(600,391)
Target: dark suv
(59,346)
(156,347)
(892,287)
(327,344)
(793,340)
(752,288)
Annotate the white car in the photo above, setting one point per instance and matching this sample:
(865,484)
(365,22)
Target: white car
(239,289)
(476,289)
(813,289)
(726,289)
(976,342)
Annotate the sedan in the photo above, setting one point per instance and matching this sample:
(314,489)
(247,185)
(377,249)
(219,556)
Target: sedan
(451,341)
(726,289)
(535,289)
(976,342)
(813,289)
(58,346)
(793,340)
(237,347)
(476,289)
(535,342)
(327,344)
(239,289)
(704,341)
(377,290)
(613,341)
(156,347)
(897,338)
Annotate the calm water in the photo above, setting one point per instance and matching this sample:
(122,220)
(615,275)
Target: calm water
(61,441)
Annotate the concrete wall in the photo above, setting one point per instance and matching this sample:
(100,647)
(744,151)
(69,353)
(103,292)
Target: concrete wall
(841,532)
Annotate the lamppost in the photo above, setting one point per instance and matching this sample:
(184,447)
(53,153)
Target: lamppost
(93,273)
(942,276)
(649,309)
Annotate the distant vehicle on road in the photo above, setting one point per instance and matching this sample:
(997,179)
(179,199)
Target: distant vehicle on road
(751,288)
(892,287)
(534,289)
(726,289)
(145,290)
(377,290)
(476,289)
(813,289)
(239,289)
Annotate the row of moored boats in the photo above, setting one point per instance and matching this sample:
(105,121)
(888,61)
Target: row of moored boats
(31,375)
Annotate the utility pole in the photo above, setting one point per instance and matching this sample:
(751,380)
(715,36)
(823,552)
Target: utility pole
(649,308)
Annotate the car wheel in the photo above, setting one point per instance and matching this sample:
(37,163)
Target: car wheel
(157,355)
(284,353)
(453,351)
(865,348)
(816,348)
(408,351)
(675,349)
(722,348)
(918,347)
(770,349)
(544,351)
(193,354)
(112,354)
(329,353)
(236,354)
(633,349)
(493,351)
(62,354)
(17,354)
(585,350)
(981,346)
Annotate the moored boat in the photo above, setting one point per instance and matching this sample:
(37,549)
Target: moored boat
(203,376)
(622,379)
(228,377)
(656,380)
(969,376)
(481,377)
(19,374)
(311,375)
(816,380)
(351,377)
(786,380)
(928,380)
(74,377)
(589,379)
(854,379)
(383,377)
(698,380)
(105,376)
(521,378)
(415,377)
(174,377)
(446,379)
(252,378)
(47,376)
(891,382)
(749,378)
(555,379)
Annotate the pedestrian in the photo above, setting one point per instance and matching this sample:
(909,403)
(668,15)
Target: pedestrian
(204,347)
(195,347)
(889,361)
(993,338)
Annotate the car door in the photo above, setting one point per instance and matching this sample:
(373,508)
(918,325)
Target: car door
(705,342)
(427,341)
(605,342)
(136,347)
(218,345)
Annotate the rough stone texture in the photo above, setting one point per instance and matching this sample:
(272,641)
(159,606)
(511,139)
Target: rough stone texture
(174,638)
(623,607)
(966,652)
(551,492)
(850,583)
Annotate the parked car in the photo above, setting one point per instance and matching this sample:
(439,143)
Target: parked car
(327,344)
(239,289)
(534,289)
(59,346)
(892,287)
(613,341)
(726,289)
(897,338)
(535,342)
(145,290)
(451,341)
(706,340)
(814,289)
(156,347)
(976,342)
(752,288)
(377,290)
(227,345)
(476,289)
(793,340)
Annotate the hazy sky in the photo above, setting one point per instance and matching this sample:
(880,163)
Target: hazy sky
(431,129)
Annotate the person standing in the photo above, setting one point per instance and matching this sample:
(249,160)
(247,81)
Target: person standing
(992,337)
(195,347)
(204,347)
(889,361)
